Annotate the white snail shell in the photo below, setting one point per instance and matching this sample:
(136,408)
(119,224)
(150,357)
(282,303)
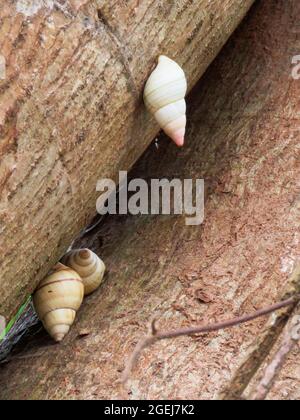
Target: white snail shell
(88,265)
(57,299)
(164,96)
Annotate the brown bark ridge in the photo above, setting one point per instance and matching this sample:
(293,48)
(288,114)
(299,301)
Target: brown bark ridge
(71,111)
(243,139)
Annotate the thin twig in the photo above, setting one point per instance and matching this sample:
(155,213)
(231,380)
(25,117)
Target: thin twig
(156,335)
(291,338)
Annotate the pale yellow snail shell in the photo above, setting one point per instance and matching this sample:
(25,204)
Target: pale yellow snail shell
(57,299)
(88,265)
(164,96)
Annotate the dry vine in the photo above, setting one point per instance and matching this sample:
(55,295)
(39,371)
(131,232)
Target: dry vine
(155,335)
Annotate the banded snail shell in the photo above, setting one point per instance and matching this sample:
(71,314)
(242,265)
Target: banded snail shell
(57,299)
(164,96)
(89,266)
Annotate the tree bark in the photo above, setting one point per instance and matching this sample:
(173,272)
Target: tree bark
(243,139)
(71,111)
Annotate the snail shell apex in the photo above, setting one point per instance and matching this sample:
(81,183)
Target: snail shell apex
(164,96)
(57,299)
(89,266)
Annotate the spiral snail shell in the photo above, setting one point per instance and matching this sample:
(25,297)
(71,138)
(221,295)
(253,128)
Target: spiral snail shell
(88,265)
(57,299)
(164,96)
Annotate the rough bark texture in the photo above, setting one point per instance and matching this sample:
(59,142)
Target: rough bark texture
(243,139)
(71,111)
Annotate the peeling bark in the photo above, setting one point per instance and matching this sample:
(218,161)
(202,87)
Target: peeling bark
(243,139)
(71,111)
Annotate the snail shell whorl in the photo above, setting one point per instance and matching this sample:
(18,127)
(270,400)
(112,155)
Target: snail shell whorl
(164,96)
(57,299)
(89,266)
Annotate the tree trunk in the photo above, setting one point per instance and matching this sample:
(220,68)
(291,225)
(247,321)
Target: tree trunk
(72,113)
(243,139)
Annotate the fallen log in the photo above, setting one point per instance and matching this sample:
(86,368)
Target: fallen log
(71,111)
(243,140)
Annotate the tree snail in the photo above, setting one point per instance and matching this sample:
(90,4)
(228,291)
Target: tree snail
(164,97)
(88,265)
(57,299)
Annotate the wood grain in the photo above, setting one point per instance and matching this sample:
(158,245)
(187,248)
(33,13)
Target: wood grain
(71,111)
(243,139)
